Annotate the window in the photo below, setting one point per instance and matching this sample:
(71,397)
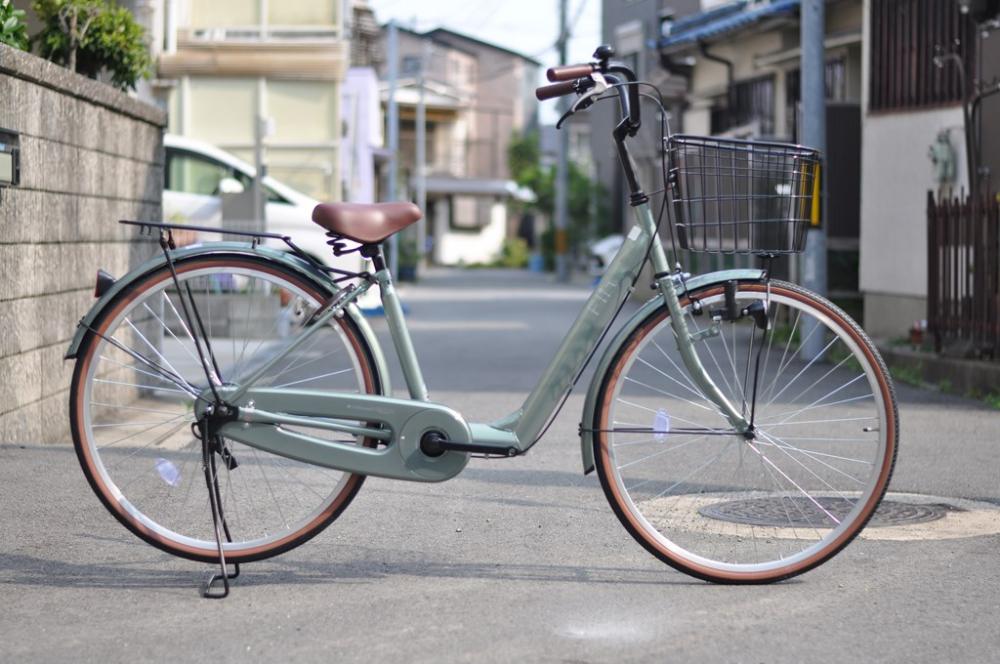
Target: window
(748,104)
(410,65)
(836,90)
(194,174)
(905,37)
(470,213)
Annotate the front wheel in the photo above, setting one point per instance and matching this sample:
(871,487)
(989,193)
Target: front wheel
(728,507)
(139,372)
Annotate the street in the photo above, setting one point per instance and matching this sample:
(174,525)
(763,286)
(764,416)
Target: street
(518,559)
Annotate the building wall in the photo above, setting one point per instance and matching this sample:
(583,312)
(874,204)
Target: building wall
(990,110)
(503,102)
(228,63)
(89,156)
(896,176)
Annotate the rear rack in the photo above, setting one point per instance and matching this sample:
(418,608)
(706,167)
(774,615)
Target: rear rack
(147,228)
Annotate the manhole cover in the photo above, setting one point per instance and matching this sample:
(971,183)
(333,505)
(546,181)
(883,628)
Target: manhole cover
(802,512)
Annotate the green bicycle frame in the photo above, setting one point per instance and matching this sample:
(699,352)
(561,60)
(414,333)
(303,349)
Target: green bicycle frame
(401,423)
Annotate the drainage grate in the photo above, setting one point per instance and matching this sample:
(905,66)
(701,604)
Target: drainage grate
(801,512)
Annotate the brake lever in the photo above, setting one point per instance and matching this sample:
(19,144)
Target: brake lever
(586,100)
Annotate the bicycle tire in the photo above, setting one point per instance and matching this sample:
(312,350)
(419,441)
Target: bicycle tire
(703,527)
(110,484)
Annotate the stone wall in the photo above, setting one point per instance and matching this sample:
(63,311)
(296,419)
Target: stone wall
(90,155)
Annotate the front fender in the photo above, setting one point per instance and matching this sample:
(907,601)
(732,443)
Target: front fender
(289,260)
(611,350)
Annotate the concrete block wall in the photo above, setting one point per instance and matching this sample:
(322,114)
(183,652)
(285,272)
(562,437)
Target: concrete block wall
(90,155)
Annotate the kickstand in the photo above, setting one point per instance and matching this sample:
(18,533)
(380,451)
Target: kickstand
(210,589)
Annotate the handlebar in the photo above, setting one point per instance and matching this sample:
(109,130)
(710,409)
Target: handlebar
(590,81)
(575,78)
(556,90)
(569,72)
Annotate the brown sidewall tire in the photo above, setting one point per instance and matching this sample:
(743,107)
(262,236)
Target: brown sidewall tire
(636,529)
(372,380)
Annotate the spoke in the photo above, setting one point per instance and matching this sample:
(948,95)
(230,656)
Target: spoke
(304,352)
(784,354)
(270,489)
(158,376)
(663,451)
(675,417)
(669,377)
(707,346)
(732,361)
(803,369)
(665,393)
(154,349)
(306,380)
(785,447)
(155,441)
(136,433)
(829,421)
(694,472)
(135,424)
(680,372)
(238,362)
(821,378)
(789,446)
(159,388)
(806,468)
(180,319)
(795,504)
(171,332)
(162,374)
(793,483)
(818,402)
(144,410)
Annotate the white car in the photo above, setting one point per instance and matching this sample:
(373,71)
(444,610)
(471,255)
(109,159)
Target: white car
(198,175)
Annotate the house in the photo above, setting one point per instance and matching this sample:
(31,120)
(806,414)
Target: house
(745,83)
(477,96)
(223,64)
(363,152)
(631,26)
(911,106)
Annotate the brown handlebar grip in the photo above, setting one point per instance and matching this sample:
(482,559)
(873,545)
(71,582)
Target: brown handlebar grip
(555,90)
(569,72)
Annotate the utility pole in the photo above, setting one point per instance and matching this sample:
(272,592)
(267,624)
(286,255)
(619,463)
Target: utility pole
(562,166)
(422,156)
(393,121)
(813,66)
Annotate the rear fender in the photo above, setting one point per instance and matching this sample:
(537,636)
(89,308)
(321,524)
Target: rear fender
(291,261)
(611,350)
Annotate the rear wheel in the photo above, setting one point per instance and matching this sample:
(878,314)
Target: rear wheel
(132,424)
(724,507)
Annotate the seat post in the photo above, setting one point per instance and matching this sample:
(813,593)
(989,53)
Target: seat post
(397,324)
(374,252)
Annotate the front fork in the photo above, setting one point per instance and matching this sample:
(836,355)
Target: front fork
(696,370)
(665,282)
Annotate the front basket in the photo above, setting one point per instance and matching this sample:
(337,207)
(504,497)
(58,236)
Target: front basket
(742,197)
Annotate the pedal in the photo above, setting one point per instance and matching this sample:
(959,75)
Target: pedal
(433,444)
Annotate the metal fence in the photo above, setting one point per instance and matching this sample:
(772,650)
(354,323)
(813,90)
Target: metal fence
(963,274)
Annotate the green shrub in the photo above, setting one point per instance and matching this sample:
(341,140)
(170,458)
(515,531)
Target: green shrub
(13,31)
(91,36)
(514,253)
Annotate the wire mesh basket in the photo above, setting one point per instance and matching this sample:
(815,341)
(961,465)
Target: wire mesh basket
(742,197)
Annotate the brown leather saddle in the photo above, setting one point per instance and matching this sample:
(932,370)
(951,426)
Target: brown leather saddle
(365,223)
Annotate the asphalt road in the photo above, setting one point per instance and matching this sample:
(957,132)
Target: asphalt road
(516,559)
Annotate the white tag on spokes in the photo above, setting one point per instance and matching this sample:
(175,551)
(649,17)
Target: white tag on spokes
(661,425)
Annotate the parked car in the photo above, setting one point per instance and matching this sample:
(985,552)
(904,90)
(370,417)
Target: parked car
(197,177)
(601,252)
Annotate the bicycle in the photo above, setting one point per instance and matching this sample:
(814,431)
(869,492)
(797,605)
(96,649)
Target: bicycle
(247,375)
